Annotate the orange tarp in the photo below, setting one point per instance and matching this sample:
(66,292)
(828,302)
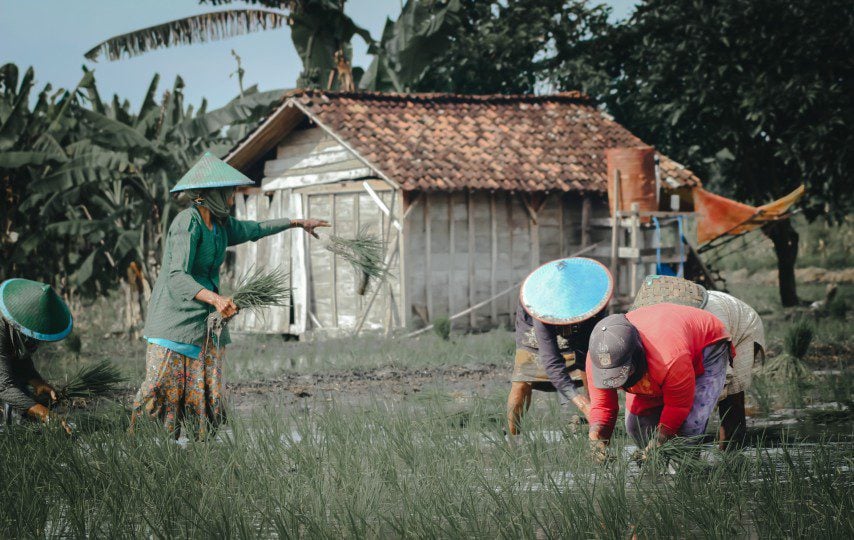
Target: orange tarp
(717,216)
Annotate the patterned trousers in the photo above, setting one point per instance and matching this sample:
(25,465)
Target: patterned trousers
(716,358)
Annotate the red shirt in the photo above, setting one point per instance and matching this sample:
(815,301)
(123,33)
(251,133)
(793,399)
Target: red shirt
(673,337)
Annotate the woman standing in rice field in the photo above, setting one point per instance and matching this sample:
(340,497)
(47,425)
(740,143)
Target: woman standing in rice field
(183,372)
(30,312)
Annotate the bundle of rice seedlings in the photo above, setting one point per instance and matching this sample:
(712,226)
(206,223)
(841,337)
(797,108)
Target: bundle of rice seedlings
(789,366)
(364,252)
(262,288)
(676,453)
(94,381)
(442,327)
(258,289)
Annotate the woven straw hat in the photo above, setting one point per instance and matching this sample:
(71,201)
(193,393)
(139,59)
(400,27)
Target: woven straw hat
(567,291)
(35,309)
(211,172)
(672,290)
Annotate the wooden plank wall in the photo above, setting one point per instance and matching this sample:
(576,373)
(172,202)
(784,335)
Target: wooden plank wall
(332,286)
(464,247)
(271,252)
(310,157)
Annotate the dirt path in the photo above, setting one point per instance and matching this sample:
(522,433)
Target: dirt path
(365,385)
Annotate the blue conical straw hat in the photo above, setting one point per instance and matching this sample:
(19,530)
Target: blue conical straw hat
(211,172)
(567,291)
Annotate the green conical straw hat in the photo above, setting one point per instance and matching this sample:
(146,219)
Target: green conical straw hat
(34,309)
(211,172)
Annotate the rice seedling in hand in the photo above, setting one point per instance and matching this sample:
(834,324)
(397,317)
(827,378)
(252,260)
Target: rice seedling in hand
(262,288)
(258,289)
(94,381)
(364,253)
(789,366)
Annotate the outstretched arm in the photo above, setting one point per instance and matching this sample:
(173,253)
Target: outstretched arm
(250,231)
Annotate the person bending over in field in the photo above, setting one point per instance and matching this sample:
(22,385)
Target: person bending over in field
(745,328)
(671,361)
(559,304)
(30,312)
(183,371)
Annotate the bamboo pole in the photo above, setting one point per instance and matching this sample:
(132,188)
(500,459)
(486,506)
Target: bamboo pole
(615,232)
(392,251)
(488,300)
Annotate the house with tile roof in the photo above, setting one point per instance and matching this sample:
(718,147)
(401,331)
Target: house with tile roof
(469,192)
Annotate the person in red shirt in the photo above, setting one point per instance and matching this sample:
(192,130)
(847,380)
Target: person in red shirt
(671,361)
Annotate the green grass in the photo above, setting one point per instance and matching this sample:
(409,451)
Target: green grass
(408,471)
(442,328)
(819,245)
(261,357)
(765,299)
(434,464)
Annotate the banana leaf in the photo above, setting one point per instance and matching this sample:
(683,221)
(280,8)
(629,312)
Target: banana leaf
(409,45)
(188,30)
(13,160)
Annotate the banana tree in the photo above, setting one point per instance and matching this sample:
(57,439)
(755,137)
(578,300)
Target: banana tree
(33,142)
(410,45)
(320,31)
(86,181)
(141,155)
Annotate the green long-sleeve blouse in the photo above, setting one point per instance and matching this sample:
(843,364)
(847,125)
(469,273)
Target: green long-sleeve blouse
(192,256)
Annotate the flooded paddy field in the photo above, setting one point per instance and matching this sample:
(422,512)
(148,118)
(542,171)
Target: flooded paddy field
(387,438)
(438,465)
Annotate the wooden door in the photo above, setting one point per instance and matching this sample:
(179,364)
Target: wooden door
(334,304)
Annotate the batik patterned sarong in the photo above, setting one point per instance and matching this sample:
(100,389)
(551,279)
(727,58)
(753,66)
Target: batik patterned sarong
(181,390)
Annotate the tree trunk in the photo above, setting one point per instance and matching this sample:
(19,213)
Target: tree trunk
(785,240)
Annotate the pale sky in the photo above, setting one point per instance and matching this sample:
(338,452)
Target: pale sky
(52,35)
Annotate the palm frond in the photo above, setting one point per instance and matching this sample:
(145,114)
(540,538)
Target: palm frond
(195,29)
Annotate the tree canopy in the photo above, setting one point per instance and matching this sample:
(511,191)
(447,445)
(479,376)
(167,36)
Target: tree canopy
(512,47)
(756,96)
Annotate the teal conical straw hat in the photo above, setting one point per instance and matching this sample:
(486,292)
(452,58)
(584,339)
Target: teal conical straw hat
(35,309)
(567,291)
(211,172)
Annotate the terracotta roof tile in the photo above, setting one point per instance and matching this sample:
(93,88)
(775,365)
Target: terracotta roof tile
(448,141)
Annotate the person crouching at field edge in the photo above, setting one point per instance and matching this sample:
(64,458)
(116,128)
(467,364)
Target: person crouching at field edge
(183,365)
(559,304)
(745,328)
(671,360)
(30,312)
